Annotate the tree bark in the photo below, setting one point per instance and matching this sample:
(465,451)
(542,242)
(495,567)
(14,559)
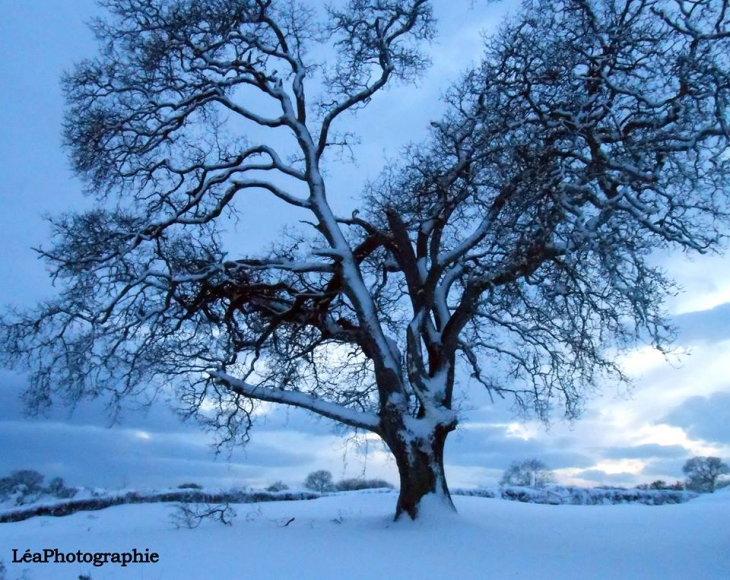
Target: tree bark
(420,463)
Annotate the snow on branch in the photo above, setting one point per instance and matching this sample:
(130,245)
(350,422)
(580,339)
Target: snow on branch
(312,403)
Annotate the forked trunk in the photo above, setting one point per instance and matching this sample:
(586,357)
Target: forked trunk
(421,468)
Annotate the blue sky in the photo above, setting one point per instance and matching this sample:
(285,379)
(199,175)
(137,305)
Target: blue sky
(677,408)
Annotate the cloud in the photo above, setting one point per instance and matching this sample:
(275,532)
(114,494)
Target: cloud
(668,469)
(153,447)
(493,447)
(704,280)
(93,455)
(705,418)
(283,418)
(647,451)
(602,478)
(711,325)
(148,446)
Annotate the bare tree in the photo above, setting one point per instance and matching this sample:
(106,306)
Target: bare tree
(703,473)
(515,242)
(319,481)
(527,473)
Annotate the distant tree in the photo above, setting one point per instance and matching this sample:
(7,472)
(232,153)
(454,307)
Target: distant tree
(704,473)
(278,486)
(529,473)
(24,481)
(320,481)
(24,486)
(661,484)
(515,242)
(658,484)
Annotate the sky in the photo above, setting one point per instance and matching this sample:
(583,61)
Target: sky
(677,408)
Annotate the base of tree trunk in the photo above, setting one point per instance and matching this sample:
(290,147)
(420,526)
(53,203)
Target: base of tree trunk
(421,470)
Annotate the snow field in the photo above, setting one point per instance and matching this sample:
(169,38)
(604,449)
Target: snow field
(352,536)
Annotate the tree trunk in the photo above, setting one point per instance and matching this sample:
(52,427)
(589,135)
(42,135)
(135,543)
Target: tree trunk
(420,463)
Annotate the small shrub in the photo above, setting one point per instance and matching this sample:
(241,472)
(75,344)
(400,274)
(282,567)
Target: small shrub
(57,488)
(191,515)
(358,484)
(190,486)
(24,482)
(277,486)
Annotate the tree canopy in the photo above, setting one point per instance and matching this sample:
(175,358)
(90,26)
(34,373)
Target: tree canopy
(527,473)
(704,473)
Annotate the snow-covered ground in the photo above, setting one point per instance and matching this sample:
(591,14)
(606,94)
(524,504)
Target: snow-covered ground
(351,536)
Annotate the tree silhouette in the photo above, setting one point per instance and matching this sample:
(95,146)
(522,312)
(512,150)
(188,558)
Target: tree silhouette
(513,244)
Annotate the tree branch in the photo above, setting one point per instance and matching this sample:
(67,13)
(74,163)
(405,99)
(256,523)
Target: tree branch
(333,411)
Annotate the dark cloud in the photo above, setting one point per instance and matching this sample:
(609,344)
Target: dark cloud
(668,469)
(711,325)
(158,415)
(645,452)
(148,446)
(705,418)
(97,456)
